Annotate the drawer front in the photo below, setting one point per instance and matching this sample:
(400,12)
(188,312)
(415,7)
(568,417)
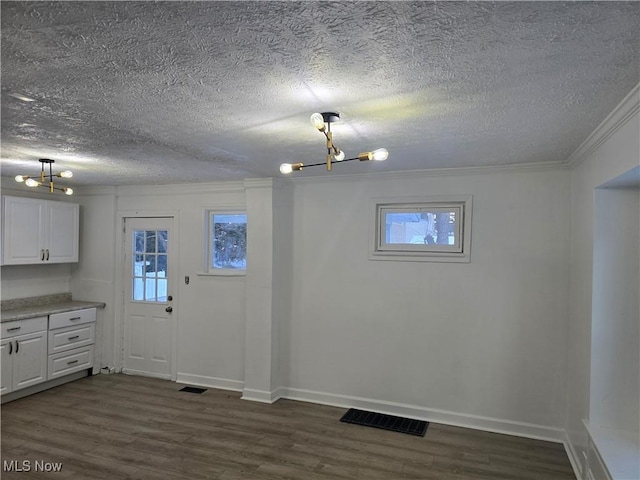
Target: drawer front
(63,339)
(64,363)
(76,317)
(21,327)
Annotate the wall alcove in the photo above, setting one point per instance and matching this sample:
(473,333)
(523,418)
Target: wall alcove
(614,411)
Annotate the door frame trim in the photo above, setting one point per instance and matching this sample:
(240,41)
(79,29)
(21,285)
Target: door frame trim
(118,331)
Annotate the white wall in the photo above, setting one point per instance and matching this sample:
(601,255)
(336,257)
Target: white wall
(93,276)
(612,151)
(210,309)
(461,341)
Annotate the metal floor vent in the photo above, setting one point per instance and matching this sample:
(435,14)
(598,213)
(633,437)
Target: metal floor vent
(193,390)
(385,422)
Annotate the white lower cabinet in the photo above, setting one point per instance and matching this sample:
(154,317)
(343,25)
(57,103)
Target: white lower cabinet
(24,354)
(35,350)
(71,340)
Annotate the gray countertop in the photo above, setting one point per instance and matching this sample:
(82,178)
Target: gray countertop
(41,310)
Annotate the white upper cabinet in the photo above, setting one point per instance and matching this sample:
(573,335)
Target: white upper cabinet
(39,231)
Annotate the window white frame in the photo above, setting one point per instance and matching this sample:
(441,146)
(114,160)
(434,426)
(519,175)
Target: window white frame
(458,252)
(209,269)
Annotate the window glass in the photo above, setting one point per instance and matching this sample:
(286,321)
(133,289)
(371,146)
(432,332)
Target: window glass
(419,228)
(430,229)
(228,241)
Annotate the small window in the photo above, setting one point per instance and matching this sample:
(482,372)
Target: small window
(227,243)
(431,230)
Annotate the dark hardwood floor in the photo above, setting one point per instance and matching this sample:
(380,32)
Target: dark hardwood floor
(124,427)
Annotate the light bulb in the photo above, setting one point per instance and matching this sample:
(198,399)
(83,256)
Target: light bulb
(21,178)
(380,154)
(317,121)
(286,168)
(66,174)
(30,182)
(68,191)
(338,157)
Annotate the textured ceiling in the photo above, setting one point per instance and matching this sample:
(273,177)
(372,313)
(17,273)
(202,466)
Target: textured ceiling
(172,92)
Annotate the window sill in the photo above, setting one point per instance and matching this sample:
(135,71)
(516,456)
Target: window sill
(619,450)
(223,273)
(421,257)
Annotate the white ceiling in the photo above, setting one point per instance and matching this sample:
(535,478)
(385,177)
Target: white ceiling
(173,92)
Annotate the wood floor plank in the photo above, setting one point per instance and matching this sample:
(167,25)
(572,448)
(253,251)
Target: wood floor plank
(136,428)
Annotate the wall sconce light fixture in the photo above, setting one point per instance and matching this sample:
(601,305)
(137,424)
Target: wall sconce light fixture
(46,179)
(322,121)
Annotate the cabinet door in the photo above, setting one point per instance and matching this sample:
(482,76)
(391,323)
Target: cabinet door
(30,359)
(63,232)
(6,366)
(23,230)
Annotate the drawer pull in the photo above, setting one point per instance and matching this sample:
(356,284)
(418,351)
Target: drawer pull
(72,362)
(42,254)
(13,329)
(73,319)
(17,346)
(74,337)
(10,348)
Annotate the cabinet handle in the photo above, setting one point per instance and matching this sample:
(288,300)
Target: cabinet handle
(73,319)
(72,362)
(74,337)
(42,254)
(47,254)
(17,346)
(10,348)
(13,329)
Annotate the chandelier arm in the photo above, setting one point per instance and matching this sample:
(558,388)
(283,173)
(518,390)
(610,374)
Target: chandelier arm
(325,163)
(314,164)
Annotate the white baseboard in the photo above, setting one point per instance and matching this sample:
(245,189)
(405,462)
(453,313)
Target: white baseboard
(521,429)
(140,373)
(489,424)
(211,382)
(262,396)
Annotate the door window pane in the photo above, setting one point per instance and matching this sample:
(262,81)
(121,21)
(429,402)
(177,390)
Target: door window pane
(150,267)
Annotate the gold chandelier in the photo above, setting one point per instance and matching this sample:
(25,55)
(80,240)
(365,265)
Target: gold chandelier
(46,179)
(322,121)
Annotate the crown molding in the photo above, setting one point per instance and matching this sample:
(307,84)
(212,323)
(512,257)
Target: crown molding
(181,189)
(89,191)
(620,115)
(258,182)
(436,172)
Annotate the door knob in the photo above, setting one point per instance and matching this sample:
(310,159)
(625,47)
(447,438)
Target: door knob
(169,309)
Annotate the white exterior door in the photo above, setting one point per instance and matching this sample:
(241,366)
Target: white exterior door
(149,327)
